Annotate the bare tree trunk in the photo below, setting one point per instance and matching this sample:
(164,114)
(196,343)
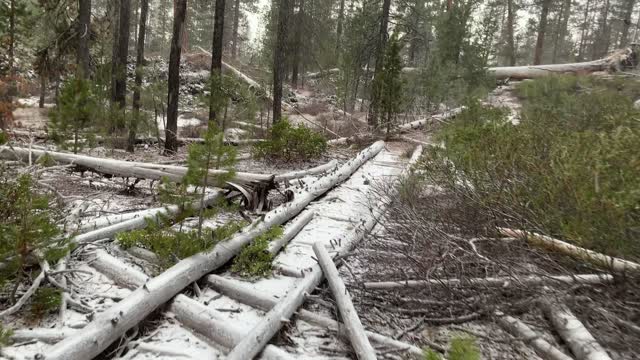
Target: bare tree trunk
(279,59)
(144,9)
(236,25)
(84,31)
(339,31)
(43,90)
(542,28)
(626,22)
(216,57)
(123,51)
(583,33)
(562,30)
(383,37)
(115,16)
(12,40)
(510,38)
(299,44)
(171,131)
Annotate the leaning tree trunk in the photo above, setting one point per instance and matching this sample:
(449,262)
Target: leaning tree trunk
(279,57)
(171,131)
(135,119)
(542,28)
(111,324)
(84,34)
(216,59)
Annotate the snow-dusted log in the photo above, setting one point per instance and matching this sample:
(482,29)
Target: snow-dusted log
(596,258)
(619,60)
(349,140)
(583,345)
(290,232)
(524,333)
(191,313)
(419,124)
(492,281)
(104,221)
(320,74)
(141,222)
(149,170)
(46,335)
(348,313)
(251,297)
(109,325)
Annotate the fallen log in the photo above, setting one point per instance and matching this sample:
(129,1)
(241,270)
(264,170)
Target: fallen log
(46,335)
(320,74)
(583,345)
(109,325)
(524,333)
(619,60)
(533,280)
(359,341)
(191,313)
(263,302)
(290,232)
(596,258)
(149,170)
(419,124)
(104,221)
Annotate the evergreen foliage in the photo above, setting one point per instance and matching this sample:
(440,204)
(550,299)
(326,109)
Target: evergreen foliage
(390,85)
(5,336)
(254,260)
(291,142)
(461,348)
(44,301)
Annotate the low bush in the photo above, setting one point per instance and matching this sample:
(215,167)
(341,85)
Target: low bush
(45,301)
(461,348)
(288,142)
(569,169)
(254,260)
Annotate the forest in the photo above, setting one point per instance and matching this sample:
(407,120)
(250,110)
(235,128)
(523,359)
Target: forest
(305,179)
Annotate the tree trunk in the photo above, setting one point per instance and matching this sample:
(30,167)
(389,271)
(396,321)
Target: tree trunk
(43,90)
(135,119)
(561,33)
(626,22)
(12,39)
(236,26)
(123,51)
(523,332)
(542,28)
(339,32)
(583,33)
(511,46)
(383,37)
(171,131)
(279,59)
(298,44)
(216,58)
(115,17)
(84,34)
(111,324)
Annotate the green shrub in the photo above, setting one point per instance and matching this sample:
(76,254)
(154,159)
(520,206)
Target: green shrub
(288,142)
(569,169)
(45,301)
(461,348)
(4,138)
(5,336)
(254,260)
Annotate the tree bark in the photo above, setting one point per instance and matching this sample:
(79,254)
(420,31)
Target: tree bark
(348,313)
(626,22)
(135,119)
(12,39)
(171,131)
(561,33)
(84,34)
(236,26)
(339,32)
(216,59)
(115,18)
(542,28)
(279,59)
(123,52)
(111,324)
(299,48)
(511,46)
(43,90)
(383,37)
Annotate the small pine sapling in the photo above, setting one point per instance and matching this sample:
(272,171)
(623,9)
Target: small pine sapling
(45,301)
(254,260)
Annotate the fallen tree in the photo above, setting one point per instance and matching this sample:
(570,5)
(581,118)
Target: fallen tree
(524,333)
(109,325)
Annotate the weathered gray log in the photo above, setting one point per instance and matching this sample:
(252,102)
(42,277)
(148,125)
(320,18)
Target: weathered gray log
(191,313)
(104,221)
(46,335)
(290,232)
(524,333)
(348,313)
(532,280)
(583,345)
(419,124)
(109,325)
(320,74)
(596,258)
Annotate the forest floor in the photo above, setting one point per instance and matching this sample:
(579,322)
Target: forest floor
(427,317)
